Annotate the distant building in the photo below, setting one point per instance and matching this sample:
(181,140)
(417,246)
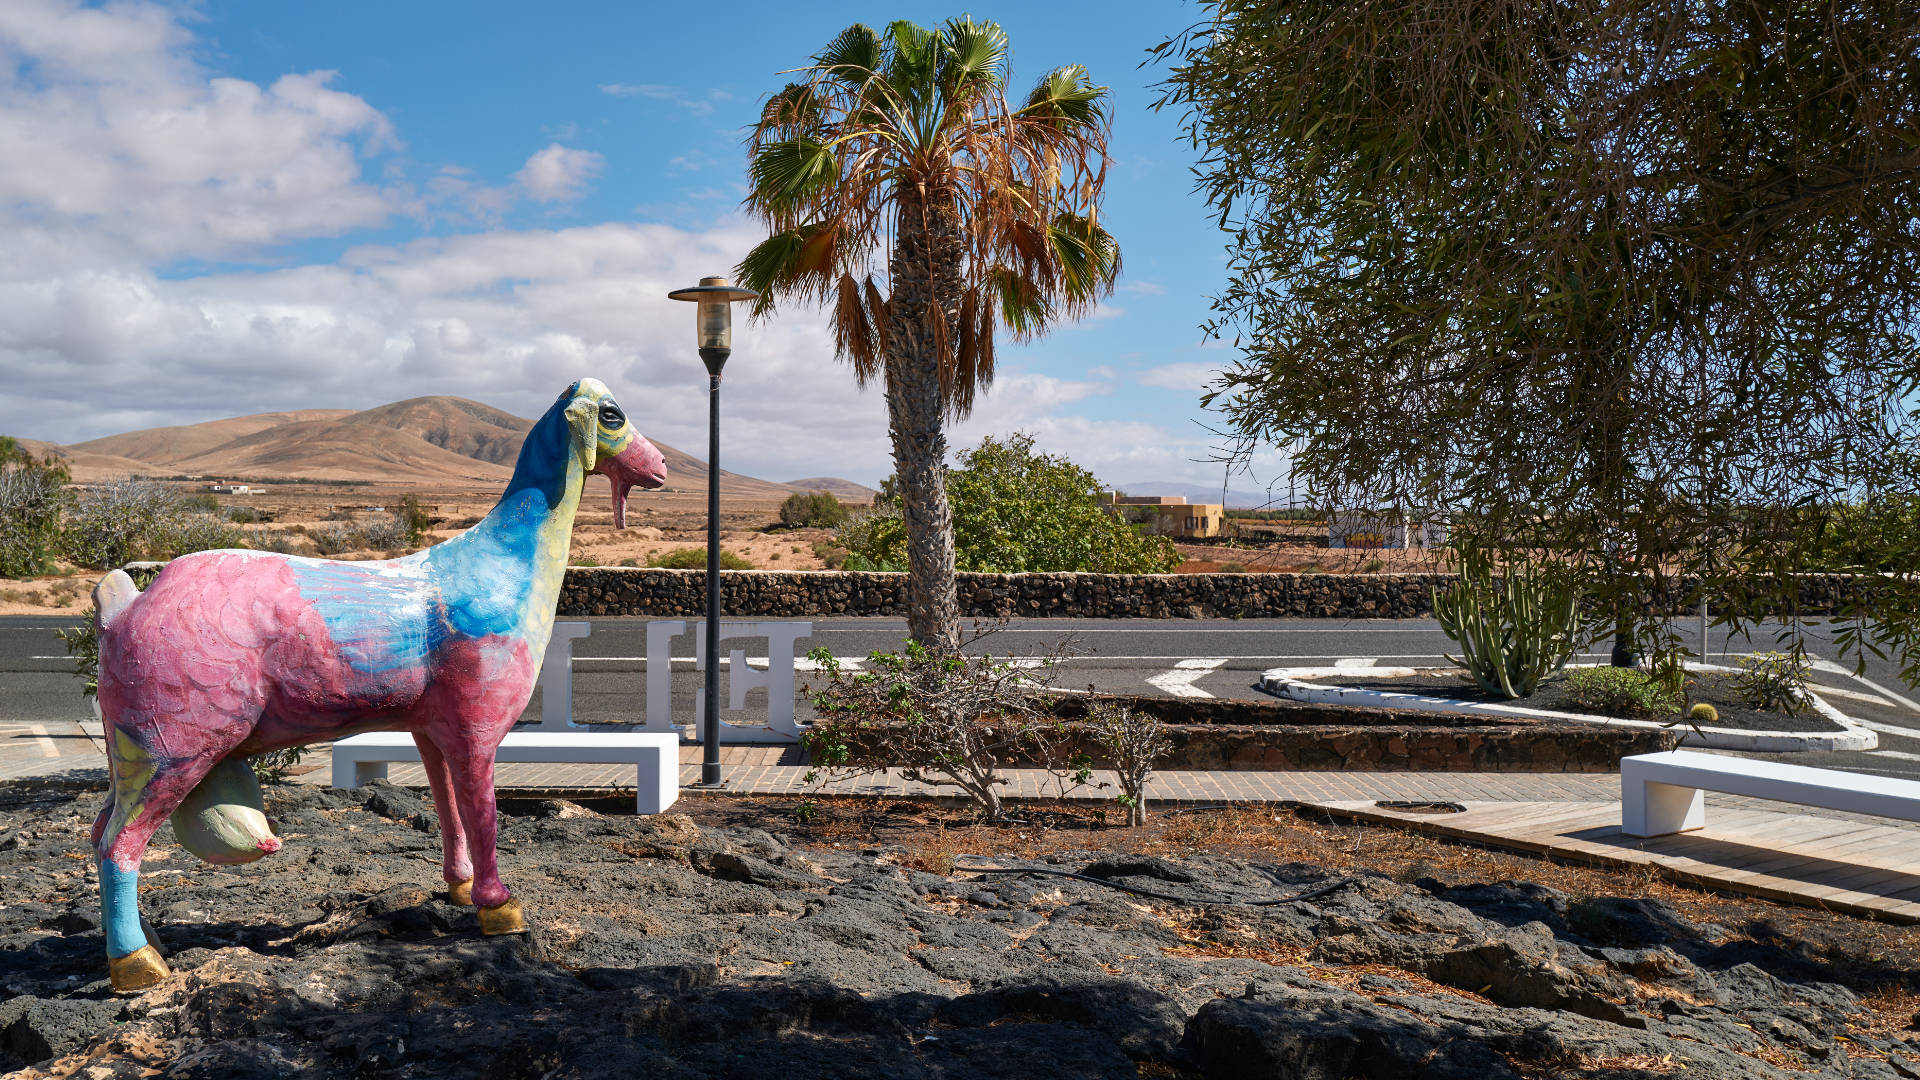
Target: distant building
(219,488)
(1170,515)
(1386,529)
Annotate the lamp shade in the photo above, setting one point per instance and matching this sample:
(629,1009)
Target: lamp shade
(713,315)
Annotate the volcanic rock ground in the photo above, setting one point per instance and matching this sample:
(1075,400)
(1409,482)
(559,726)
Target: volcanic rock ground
(664,948)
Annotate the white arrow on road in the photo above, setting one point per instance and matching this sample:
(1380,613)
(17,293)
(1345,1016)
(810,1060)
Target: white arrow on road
(1179,682)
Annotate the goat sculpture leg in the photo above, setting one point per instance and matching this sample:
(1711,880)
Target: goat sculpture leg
(146,788)
(456,863)
(500,913)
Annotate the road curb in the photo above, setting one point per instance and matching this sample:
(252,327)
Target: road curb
(1289,683)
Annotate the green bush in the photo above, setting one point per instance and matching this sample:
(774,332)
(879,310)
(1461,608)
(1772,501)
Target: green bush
(1774,681)
(1018,511)
(862,564)
(693,558)
(200,502)
(416,520)
(812,509)
(1613,691)
(245,515)
(33,493)
(876,537)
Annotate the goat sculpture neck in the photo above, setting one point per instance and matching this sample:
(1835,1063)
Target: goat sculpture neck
(503,576)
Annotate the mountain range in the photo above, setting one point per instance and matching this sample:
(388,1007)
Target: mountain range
(426,440)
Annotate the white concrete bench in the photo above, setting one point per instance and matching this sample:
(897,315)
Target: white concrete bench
(1663,793)
(360,758)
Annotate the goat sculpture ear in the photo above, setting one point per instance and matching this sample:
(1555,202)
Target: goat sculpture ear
(584,418)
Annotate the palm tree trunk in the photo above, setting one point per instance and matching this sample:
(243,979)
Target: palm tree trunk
(925,254)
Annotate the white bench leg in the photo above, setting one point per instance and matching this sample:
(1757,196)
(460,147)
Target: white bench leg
(657,782)
(1648,808)
(354,772)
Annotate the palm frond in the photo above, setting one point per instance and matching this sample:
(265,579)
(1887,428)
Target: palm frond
(795,109)
(854,334)
(852,57)
(767,268)
(1088,258)
(912,60)
(1067,97)
(879,312)
(1023,306)
(788,175)
(973,56)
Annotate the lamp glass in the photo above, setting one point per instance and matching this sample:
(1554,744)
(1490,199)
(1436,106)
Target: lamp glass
(714,317)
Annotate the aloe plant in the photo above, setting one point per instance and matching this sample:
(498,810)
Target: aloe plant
(1512,632)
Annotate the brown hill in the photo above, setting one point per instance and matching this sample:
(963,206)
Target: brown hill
(167,445)
(91,468)
(424,440)
(844,490)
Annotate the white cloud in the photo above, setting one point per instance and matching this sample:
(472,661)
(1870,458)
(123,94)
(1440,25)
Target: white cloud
(1192,376)
(692,161)
(1144,288)
(697,104)
(558,173)
(114,145)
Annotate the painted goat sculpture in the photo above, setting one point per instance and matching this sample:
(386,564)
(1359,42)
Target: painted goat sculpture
(234,653)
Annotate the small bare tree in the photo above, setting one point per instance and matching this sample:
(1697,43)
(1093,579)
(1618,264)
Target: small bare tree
(948,719)
(1134,742)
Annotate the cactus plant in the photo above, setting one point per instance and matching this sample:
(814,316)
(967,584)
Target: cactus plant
(1512,632)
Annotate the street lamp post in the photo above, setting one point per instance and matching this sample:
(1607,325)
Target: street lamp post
(713,323)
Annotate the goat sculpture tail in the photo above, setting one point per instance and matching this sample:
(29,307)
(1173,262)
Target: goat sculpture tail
(115,593)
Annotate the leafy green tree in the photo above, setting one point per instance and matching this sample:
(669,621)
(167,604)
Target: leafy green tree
(901,187)
(1632,282)
(816,509)
(33,493)
(1017,511)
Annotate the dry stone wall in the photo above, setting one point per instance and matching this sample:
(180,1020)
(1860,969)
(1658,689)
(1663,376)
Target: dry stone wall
(593,591)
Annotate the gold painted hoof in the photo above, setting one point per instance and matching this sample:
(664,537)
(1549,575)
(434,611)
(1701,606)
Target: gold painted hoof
(461,892)
(507,918)
(138,970)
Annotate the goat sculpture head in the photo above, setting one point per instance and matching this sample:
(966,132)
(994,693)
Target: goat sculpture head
(607,444)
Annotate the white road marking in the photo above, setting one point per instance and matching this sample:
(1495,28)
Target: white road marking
(45,739)
(1898,755)
(1179,682)
(1908,702)
(1886,729)
(1851,695)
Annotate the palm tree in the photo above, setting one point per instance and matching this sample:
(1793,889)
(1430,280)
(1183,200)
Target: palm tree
(988,216)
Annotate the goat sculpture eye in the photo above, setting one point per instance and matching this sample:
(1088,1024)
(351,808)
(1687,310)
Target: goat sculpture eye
(610,414)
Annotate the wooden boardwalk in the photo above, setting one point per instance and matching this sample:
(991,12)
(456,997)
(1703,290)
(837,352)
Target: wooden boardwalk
(1852,864)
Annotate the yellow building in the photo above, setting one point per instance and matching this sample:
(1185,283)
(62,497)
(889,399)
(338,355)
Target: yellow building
(1170,515)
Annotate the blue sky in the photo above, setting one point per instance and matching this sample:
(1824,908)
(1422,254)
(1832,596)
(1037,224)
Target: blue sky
(234,207)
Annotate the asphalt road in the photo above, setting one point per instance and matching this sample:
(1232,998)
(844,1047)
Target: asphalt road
(1182,657)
